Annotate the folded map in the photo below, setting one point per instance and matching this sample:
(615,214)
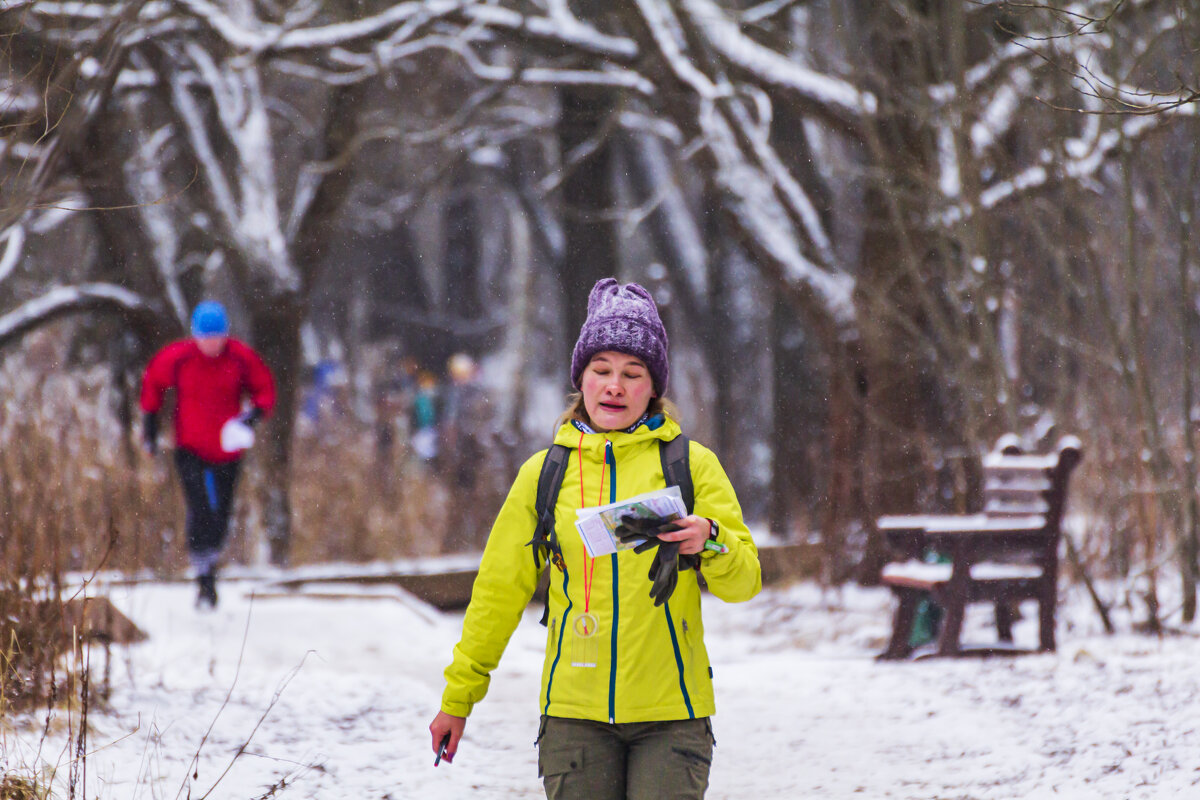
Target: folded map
(597,525)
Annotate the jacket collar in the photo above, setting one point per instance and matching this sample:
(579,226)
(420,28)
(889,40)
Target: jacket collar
(645,430)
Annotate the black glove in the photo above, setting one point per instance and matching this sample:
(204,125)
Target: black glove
(251,417)
(150,432)
(634,527)
(664,571)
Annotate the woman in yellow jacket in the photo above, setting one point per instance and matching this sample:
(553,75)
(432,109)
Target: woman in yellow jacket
(626,685)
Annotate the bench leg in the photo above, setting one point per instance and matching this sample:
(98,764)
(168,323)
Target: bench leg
(902,622)
(954,602)
(1005,614)
(1047,605)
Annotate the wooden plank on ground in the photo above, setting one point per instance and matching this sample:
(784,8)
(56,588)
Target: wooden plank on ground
(98,619)
(450,590)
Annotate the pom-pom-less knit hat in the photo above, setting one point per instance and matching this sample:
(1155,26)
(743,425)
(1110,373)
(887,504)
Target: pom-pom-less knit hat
(623,319)
(210,319)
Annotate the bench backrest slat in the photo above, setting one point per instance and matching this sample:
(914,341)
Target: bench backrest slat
(1016,484)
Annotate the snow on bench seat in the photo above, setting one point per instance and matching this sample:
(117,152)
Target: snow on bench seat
(916,572)
(984,523)
(921,574)
(945,523)
(994,571)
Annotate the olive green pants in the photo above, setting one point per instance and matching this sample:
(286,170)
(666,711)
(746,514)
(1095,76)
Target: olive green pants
(585,760)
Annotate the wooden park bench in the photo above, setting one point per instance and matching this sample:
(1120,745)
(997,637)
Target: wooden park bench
(1006,553)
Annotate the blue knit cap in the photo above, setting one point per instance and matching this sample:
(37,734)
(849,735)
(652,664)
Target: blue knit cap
(209,319)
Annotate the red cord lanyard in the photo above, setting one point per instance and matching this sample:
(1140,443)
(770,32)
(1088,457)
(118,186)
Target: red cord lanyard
(589,564)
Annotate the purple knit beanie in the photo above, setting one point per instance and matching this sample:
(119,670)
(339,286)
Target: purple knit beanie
(623,319)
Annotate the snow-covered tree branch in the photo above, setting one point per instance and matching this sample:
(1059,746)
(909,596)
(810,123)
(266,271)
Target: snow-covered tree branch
(63,301)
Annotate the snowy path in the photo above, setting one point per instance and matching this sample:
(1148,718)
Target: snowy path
(804,711)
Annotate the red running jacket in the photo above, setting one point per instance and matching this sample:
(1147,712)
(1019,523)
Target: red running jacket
(208,392)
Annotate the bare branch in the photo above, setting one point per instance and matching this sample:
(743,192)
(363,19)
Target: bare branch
(1083,161)
(562,29)
(611,77)
(14,245)
(64,301)
(820,92)
(244,193)
(1088,34)
(753,202)
(767,10)
(664,29)
(69,117)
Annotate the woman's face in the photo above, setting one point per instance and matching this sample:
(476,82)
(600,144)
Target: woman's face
(617,389)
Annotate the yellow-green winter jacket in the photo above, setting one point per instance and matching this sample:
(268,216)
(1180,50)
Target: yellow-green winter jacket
(650,663)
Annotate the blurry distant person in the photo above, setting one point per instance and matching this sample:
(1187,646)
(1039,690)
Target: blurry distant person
(424,424)
(212,375)
(627,690)
(466,427)
(321,391)
(393,402)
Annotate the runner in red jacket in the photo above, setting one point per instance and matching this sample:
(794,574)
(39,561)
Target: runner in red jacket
(213,375)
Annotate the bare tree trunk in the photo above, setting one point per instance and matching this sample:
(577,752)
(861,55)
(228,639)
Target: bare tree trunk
(1189,322)
(801,407)
(798,417)
(463,224)
(276,323)
(517,334)
(1163,502)
(275,331)
(844,499)
(718,344)
(590,251)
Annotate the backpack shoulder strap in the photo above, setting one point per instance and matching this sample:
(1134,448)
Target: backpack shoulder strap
(549,482)
(545,541)
(677,468)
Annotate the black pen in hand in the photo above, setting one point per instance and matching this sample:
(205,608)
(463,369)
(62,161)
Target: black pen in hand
(442,750)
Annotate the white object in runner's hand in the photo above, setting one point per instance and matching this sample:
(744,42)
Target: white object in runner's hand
(236,436)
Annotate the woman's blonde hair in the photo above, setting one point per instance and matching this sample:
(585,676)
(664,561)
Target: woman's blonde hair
(575,410)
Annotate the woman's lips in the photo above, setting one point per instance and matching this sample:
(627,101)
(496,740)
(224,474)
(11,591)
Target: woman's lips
(612,407)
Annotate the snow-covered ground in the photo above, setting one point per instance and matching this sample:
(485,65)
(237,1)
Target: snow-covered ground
(334,696)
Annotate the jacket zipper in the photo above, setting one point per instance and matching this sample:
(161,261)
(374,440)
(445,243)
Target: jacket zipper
(558,647)
(687,700)
(611,458)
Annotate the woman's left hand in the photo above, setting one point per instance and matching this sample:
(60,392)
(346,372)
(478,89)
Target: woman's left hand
(692,533)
